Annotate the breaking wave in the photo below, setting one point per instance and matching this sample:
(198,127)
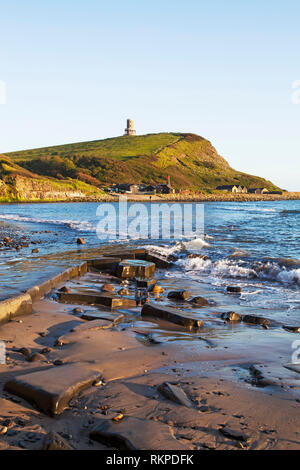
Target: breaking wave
(226,268)
(220,268)
(166,251)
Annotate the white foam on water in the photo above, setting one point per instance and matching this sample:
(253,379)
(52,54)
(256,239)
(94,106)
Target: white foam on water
(180,247)
(238,252)
(274,272)
(196,244)
(195,264)
(247,294)
(289,277)
(229,268)
(225,268)
(164,251)
(242,208)
(81,226)
(221,268)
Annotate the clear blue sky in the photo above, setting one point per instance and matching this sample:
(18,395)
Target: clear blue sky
(75,70)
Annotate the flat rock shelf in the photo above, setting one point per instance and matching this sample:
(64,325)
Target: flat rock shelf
(52,389)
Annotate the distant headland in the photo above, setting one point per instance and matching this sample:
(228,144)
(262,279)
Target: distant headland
(178,166)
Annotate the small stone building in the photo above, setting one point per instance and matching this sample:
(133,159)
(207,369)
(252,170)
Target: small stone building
(164,189)
(229,188)
(126,188)
(258,191)
(232,188)
(242,189)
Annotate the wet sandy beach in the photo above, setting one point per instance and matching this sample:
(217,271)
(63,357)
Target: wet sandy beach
(232,390)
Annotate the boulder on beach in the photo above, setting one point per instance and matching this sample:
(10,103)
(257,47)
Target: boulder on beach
(231,316)
(53,441)
(157,289)
(292,329)
(65,289)
(196,255)
(179,295)
(264,322)
(175,394)
(124,291)
(234,290)
(36,357)
(108,288)
(199,301)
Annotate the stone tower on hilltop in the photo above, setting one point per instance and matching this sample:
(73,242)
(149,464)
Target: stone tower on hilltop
(130,127)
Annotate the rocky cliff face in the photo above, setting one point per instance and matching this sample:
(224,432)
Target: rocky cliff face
(17,184)
(35,189)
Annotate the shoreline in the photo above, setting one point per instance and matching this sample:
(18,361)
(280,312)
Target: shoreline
(199,197)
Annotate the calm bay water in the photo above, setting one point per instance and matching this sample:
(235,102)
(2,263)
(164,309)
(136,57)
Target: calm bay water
(254,244)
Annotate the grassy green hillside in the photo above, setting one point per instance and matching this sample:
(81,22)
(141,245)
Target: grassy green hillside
(119,148)
(191,161)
